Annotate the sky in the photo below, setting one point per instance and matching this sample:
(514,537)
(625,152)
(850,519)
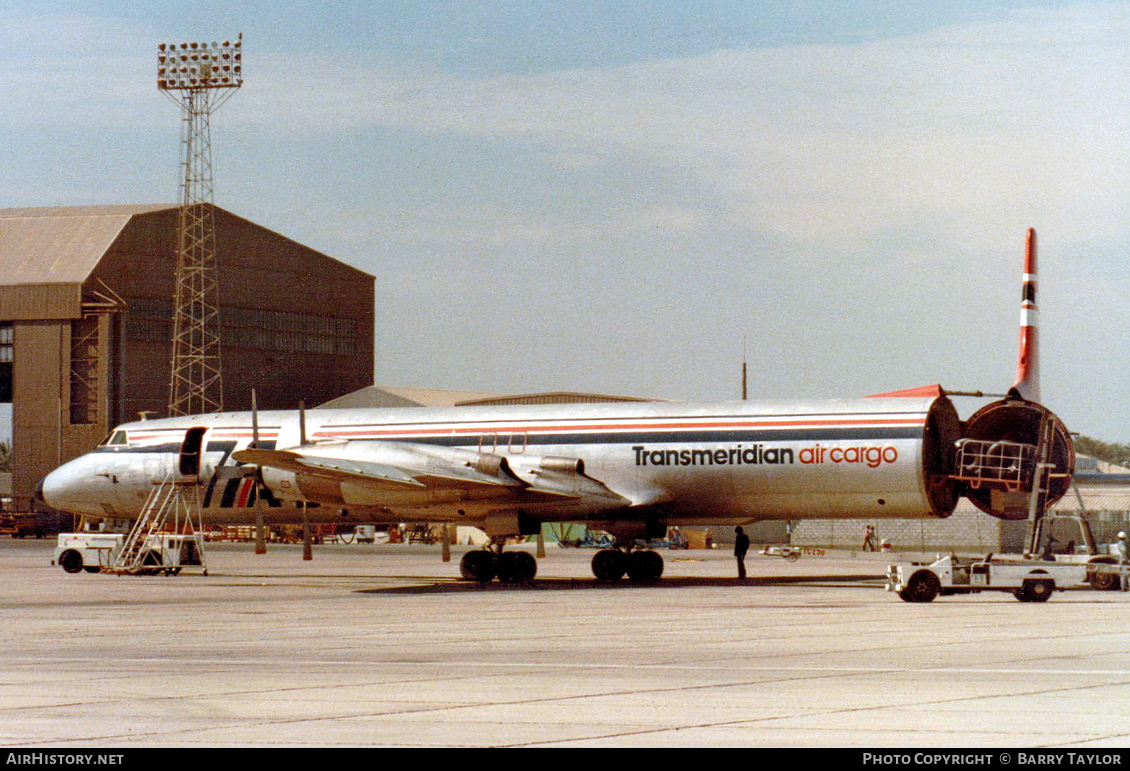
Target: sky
(628,196)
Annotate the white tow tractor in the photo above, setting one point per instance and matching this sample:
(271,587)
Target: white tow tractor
(166,553)
(1029,580)
(1068,558)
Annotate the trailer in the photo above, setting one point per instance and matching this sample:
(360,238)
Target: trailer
(1027,579)
(29,525)
(166,553)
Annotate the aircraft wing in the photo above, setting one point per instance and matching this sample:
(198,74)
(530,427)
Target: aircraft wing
(400,473)
(380,476)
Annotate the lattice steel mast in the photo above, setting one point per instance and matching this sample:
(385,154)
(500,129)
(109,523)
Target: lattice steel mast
(199,77)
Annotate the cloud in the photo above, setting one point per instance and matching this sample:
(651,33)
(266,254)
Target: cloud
(823,145)
(1011,120)
(826,197)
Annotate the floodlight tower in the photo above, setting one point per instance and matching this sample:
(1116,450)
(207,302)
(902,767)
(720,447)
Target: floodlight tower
(199,77)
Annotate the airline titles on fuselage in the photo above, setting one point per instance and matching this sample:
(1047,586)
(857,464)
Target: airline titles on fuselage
(871,456)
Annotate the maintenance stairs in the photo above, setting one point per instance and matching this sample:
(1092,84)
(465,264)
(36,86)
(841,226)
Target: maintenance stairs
(168,534)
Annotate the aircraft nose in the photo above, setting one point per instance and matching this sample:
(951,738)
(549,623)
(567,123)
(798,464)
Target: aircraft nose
(47,491)
(77,486)
(57,489)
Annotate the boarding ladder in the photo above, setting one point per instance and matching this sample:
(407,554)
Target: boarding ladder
(1041,484)
(173,506)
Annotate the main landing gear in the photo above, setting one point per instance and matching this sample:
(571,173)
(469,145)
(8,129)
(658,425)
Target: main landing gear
(509,567)
(513,567)
(613,564)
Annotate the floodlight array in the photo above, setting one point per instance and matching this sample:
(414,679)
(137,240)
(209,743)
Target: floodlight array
(190,66)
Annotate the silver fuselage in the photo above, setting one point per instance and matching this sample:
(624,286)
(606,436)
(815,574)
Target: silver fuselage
(693,463)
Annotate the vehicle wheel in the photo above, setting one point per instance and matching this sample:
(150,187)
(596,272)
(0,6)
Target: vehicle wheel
(1036,590)
(922,587)
(792,557)
(477,566)
(1104,582)
(92,568)
(516,567)
(645,566)
(609,564)
(71,561)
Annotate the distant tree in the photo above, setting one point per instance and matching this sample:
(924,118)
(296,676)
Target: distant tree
(1110,452)
(5,457)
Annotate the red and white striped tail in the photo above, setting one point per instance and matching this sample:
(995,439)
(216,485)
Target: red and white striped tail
(1027,383)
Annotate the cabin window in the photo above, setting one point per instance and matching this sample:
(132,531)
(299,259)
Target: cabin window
(115,439)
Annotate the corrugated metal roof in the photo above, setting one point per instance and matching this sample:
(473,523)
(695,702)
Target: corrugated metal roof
(60,245)
(397,396)
(553,397)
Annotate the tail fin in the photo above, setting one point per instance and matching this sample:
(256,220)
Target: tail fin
(1027,384)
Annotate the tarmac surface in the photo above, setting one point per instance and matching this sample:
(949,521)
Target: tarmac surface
(381,646)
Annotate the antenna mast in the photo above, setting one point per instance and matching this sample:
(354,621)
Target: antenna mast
(199,77)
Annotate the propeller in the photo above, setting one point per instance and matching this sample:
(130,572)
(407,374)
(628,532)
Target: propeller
(260,529)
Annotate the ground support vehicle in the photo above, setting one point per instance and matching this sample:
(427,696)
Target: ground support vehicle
(1068,538)
(790,553)
(165,553)
(29,525)
(1029,580)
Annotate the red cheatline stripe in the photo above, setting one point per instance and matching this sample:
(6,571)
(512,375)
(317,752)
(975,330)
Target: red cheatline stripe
(608,428)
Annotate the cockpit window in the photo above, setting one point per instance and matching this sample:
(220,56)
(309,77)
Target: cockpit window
(116,439)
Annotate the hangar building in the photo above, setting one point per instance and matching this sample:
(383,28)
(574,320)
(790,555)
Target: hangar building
(86,314)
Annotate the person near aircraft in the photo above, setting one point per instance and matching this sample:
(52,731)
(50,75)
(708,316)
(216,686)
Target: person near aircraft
(741,546)
(869,538)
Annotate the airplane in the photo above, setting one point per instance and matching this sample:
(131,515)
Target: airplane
(629,469)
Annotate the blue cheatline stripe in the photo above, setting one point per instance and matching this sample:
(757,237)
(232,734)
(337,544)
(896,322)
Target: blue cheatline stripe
(819,434)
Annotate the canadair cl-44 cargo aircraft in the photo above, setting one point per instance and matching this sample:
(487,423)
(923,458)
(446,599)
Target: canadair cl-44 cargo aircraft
(629,469)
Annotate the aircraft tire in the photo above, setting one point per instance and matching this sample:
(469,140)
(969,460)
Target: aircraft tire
(477,566)
(71,561)
(609,564)
(645,566)
(516,567)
